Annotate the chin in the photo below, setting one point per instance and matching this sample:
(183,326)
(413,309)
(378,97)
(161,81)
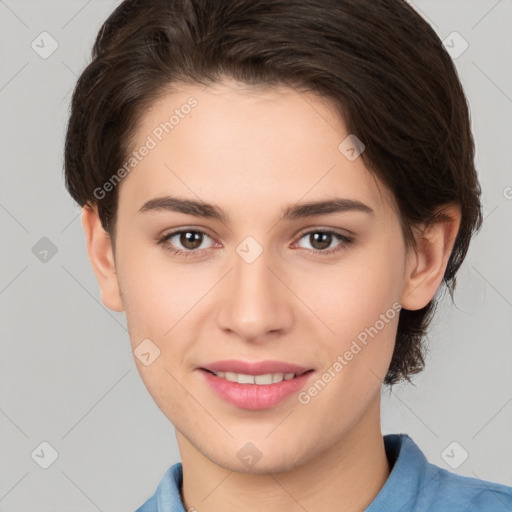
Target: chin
(250,460)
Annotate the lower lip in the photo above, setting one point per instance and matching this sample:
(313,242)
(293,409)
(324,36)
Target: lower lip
(255,396)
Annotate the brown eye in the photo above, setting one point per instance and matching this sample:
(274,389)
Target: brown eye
(185,242)
(190,239)
(320,241)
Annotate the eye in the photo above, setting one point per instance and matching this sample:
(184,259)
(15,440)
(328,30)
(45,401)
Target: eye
(320,240)
(190,239)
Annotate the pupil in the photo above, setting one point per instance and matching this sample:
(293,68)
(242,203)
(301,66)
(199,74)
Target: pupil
(321,240)
(190,239)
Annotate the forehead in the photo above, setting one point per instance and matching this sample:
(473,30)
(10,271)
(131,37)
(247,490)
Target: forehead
(248,147)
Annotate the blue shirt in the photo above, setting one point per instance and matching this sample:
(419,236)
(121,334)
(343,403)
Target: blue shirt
(414,485)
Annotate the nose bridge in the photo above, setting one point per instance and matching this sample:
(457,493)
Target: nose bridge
(255,301)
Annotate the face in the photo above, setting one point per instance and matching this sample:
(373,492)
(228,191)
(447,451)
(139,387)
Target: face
(244,282)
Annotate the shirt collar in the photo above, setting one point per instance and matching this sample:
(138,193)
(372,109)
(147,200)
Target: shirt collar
(410,473)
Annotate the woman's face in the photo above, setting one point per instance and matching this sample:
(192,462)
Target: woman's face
(252,285)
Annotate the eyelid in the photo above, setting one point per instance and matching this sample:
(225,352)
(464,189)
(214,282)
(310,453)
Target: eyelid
(324,229)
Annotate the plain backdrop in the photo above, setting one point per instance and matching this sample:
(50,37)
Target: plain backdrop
(67,375)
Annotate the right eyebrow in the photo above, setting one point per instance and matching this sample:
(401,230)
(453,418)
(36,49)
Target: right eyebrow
(186,206)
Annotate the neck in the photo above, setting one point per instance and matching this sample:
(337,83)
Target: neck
(344,478)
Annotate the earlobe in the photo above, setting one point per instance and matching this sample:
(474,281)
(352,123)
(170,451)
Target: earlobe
(426,263)
(99,248)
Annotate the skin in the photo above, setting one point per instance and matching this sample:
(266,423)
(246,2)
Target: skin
(254,152)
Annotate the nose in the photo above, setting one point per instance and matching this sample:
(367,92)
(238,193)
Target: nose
(255,302)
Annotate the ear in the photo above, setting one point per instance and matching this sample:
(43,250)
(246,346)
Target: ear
(99,248)
(426,263)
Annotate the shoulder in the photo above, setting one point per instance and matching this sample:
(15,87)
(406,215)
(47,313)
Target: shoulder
(468,494)
(416,485)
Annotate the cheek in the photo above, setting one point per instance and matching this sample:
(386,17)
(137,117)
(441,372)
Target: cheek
(356,357)
(359,303)
(351,296)
(157,298)
(156,293)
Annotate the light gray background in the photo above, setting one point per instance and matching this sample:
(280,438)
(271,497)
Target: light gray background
(66,370)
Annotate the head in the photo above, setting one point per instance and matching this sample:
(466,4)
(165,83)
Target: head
(253,109)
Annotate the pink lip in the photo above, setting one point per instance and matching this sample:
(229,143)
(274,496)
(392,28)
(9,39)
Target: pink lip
(254,396)
(256,368)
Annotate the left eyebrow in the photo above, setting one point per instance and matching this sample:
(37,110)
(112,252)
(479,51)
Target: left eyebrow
(297,211)
(336,205)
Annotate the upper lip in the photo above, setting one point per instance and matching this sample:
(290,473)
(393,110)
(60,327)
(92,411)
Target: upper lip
(254,368)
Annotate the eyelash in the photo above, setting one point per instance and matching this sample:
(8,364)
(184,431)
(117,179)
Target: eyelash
(345,241)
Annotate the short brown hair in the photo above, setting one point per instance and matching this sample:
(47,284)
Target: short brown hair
(379,63)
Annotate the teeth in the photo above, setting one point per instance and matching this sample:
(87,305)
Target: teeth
(265,379)
(268,378)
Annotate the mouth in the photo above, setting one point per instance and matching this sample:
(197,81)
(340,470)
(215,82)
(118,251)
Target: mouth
(264,379)
(255,386)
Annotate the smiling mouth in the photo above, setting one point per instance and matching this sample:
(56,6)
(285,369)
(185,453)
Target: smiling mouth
(258,380)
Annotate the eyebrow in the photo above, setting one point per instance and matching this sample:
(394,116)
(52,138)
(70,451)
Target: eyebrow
(296,211)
